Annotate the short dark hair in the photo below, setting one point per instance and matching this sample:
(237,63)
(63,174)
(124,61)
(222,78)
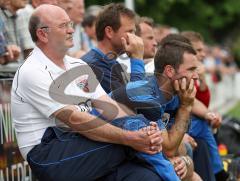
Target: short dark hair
(170,52)
(110,16)
(34,24)
(89,20)
(147,20)
(192,36)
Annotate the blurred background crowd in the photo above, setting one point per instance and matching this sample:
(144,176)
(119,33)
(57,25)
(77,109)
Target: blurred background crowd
(220,54)
(217,21)
(170,17)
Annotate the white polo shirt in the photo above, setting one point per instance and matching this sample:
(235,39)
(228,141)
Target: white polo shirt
(31,103)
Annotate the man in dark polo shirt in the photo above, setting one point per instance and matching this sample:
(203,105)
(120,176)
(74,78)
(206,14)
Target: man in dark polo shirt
(115,30)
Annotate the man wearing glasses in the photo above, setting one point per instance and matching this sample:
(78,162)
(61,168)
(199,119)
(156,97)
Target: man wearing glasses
(51,91)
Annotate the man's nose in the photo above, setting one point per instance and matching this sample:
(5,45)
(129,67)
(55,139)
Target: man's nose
(155,42)
(70,30)
(203,54)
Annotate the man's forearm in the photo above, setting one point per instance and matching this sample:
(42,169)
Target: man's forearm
(176,133)
(203,84)
(91,126)
(105,103)
(96,129)
(199,109)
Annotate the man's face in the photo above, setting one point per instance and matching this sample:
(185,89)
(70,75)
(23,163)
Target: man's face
(66,5)
(76,13)
(200,49)
(60,32)
(149,41)
(127,26)
(188,69)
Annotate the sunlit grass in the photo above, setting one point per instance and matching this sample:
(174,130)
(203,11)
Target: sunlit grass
(235,111)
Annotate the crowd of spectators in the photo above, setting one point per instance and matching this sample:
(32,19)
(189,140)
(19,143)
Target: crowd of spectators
(92,42)
(17,44)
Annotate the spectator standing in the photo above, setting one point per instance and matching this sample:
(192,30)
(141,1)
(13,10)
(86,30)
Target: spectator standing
(76,14)
(10,19)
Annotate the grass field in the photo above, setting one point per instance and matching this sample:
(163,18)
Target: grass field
(235,111)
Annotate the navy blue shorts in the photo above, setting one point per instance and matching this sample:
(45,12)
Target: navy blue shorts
(63,155)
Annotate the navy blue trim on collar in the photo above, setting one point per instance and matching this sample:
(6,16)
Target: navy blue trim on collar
(111,56)
(160,92)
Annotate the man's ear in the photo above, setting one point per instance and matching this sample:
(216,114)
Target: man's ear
(109,33)
(169,71)
(42,35)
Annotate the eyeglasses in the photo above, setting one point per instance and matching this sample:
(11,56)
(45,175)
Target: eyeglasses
(65,26)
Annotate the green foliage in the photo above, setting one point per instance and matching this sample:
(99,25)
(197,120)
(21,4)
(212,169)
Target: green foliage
(235,111)
(214,19)
(209,17)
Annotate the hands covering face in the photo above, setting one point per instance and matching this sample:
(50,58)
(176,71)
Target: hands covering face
(186,91)
(133,45)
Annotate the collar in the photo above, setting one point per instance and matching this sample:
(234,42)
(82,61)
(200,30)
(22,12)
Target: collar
(45,61)
(111,56)
(8,14)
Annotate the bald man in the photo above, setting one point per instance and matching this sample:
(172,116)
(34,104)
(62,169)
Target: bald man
(51,91)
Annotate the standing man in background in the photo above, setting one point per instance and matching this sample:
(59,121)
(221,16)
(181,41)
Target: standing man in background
(76,14)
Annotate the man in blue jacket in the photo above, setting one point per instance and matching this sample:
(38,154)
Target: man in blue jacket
(115,30)
(174,61)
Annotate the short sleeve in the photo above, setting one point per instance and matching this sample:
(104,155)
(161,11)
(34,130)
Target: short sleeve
(34,90)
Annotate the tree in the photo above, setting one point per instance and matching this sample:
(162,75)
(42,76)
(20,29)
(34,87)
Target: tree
(218,21)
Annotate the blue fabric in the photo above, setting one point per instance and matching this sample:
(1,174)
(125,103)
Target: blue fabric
(62,155)
(113,74)
(147,91)
(201,130)
(137,69)
(159,162)
(202,161)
